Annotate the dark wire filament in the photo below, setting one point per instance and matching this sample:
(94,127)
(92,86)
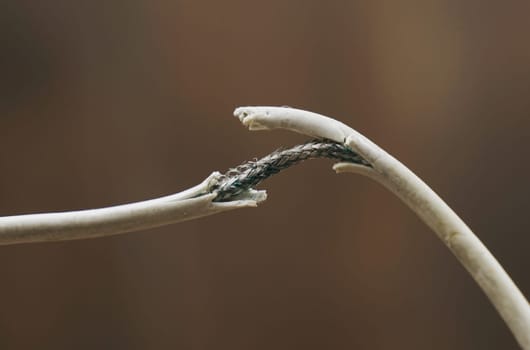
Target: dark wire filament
(249,174)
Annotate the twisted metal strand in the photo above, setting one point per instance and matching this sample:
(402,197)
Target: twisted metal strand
(247,175)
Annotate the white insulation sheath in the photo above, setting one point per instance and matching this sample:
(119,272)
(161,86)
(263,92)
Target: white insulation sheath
(190,204)
(470,251)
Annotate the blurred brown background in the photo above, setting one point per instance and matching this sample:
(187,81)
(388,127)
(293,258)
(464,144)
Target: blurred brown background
(107,102)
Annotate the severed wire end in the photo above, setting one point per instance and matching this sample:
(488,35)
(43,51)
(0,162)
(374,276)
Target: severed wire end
(246,176)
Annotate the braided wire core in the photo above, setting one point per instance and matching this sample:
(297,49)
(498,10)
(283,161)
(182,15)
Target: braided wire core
(249,174)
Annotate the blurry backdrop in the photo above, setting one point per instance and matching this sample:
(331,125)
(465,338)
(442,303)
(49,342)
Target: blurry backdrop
(107,102)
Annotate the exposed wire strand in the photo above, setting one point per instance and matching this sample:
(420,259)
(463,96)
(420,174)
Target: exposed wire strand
(249,174)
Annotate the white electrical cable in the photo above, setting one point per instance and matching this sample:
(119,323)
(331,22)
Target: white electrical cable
(200,201)
(385,169)
(193,203)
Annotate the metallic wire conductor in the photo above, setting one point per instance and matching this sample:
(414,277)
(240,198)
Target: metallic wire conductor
(247,175)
